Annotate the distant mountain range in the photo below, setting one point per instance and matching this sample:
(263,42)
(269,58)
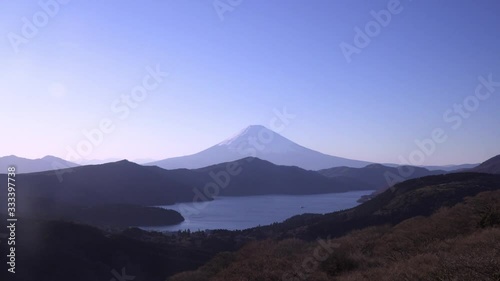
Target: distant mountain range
(50,163)
(81,191)
(125,182)
(120,182)
(97,161)
(449,168)
(114,189)
(260,142)
(405,221)
(254,141)
(379,176)
(24,165)
(260,177)
(110,160)
(113,194)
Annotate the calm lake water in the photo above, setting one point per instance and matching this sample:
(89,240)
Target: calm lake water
(245,212)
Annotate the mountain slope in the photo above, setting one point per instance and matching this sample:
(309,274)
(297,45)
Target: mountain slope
(258,141)
(90,254)
(390,229)
(451,168)
(260,177)
(125,182)
(24,165)
(109,195)
(415,197)
(84,253)
(379,176)
(457,243)
(121,182)
(490,166)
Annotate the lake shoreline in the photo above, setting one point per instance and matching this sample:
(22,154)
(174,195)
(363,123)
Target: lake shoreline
(243,212)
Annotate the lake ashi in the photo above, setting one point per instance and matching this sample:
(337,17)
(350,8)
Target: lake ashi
(235,213)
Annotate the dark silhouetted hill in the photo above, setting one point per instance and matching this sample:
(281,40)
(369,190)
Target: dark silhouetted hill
(490,166)
(378,176)
(416,197)
(260,177)
(99,194)
(109,195)
(120,182)
(90,254)
(60,251)
(125,182)
(101,215)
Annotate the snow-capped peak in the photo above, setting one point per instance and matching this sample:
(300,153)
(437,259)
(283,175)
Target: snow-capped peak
(250,131)
(260,142)
(261,138)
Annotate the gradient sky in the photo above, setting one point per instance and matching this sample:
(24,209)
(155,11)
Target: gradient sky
(227,74)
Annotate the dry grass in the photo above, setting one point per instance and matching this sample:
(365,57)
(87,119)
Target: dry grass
(458,243)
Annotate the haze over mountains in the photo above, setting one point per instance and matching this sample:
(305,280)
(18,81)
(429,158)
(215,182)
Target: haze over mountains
(124,182)
(230,140)
(24,165)
(398,218)
(123,186)
(254,141)
(121,189)
(122,193)
(449,168)
(261,142)
(379,176)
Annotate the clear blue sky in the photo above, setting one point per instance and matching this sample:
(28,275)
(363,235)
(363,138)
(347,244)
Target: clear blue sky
(227,74)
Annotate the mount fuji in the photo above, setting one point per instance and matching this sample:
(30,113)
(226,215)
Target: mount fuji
(258,141)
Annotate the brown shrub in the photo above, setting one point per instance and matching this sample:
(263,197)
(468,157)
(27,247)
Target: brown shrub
(458,243)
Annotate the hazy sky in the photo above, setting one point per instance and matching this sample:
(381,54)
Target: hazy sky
(65,67)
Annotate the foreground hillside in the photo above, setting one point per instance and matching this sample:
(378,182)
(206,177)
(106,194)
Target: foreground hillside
(62,251)
(457,243)
(417,197)
(391,233)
